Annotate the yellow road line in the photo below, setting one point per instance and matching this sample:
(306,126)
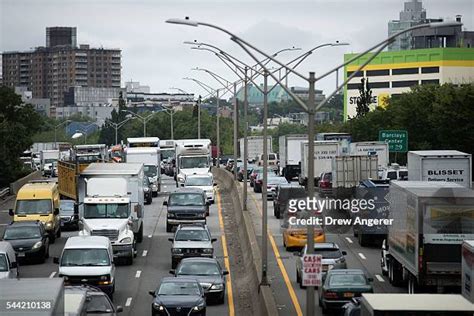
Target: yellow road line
(291,290)
(230,296)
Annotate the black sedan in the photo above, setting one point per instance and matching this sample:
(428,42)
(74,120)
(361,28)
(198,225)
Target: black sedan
(178,296)
(29,239)
(209,274)
(68,214)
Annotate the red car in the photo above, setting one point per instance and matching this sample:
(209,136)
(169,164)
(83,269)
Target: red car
(325,183)
(254,175)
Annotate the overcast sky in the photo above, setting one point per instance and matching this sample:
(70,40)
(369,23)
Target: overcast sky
(153,51)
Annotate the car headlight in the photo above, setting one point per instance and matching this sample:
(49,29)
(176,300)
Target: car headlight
(217,287)
(49,224)
(181,179)
(207,250)
(105,280)
(126,240)
(199,307)
(176,250)
(37,245)
(158,306)
(171,215)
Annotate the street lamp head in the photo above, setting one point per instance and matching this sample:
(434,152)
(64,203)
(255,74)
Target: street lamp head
(195,42)
(337,43)
(185,21)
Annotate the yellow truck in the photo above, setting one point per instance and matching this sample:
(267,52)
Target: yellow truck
(80,157)
(39,200)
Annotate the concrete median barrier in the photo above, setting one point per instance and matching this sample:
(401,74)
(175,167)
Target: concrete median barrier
(15,186)
(263,303)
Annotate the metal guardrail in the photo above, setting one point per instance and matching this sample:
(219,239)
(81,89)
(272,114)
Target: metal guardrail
(4,192)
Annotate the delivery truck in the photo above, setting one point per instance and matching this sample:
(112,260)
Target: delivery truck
(290,155)
(430,222)
(111,204)
(48,160)
(440,165)
(379,149)
(467,268)
(254,147)
(349,171)
(193,156)
(324,152)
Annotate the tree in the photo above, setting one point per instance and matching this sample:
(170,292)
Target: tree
(107,133)
(365,98)
(18,123)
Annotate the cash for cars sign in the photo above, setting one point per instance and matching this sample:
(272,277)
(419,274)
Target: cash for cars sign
(312,270)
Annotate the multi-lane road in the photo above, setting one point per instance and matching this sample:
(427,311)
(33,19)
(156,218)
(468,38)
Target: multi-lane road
(154,260)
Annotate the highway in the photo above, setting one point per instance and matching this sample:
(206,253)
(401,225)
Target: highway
(282,263)
(153,261)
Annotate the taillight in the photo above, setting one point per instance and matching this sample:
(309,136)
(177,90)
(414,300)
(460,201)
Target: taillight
(330,295)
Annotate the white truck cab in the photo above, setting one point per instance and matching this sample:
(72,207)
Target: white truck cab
(193,156)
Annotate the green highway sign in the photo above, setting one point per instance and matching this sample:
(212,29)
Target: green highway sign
(397,140)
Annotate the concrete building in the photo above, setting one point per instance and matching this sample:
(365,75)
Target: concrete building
(414,14)
(91,96)
(42,106)
(392,73)
(50,71)
(95,112)
(135,86)
(277,94)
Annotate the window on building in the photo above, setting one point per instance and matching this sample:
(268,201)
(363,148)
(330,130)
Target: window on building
(378,85)
(429,70)
(358,74)
(379,72)
(405,71)
(431,81)
(402,84)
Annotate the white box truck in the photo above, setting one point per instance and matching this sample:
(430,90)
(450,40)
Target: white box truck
(48,160)
(349,171)
(146,150)
(111,204)
(440,165)
(254,147)
(290,155)
(467,268)
(379,149)
(193,156)
(324,152)
(430,222)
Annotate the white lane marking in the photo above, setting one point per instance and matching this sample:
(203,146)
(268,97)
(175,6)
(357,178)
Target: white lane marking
(149,236)
(362,256)
(3,224)
(52,274)
(379,277)
(137,275)
(128,302)
(144,253)
(349,240)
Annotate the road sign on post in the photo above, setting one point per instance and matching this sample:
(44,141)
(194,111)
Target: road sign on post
(397,140)
(312,270)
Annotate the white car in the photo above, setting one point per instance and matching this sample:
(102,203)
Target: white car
(204,182)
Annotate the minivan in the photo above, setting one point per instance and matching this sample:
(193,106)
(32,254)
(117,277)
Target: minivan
(88,260)
(39,200)
(8,264)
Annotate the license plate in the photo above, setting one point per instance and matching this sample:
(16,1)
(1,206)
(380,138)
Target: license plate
(21,254)
(348,294)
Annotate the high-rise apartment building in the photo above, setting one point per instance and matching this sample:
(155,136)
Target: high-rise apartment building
(49,71)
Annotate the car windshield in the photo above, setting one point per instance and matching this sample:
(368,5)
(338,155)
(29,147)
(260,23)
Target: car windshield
(106,210)
(179,288)
(67,207)
(186,199)
(22,232)
(198,268)
(50,160)
(277,180)
(328,253)
(347,280)
(294,193)
(392,175)
(192,235)
(88,158)
(85,257)
(167,153)
(150,170)
(199,181)
(194,162)
(3,263)
(27,207)
(98,304)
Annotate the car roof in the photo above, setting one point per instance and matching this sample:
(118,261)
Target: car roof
(346,271)
(191,227)
(200,259)
(188,190)
(79,242)
(177,279)
(326,245)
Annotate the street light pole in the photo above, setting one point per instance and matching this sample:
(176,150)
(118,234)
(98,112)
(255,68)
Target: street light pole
(236,129)
(218,128)
(264,280)
(55,132)
(244,195)
(199,117)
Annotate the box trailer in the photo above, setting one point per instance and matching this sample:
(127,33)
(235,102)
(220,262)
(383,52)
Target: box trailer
(467,267)
(324,152)
(379,149)
(254,147)
(430,222)
(349,171)
(290,154)
(440,165)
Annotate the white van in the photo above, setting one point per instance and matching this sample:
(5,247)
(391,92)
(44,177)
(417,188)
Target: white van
(88,260)
(8,264)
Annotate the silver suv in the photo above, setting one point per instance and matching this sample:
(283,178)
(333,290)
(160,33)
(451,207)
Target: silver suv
(191,240)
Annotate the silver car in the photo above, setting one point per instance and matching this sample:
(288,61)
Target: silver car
(191,240)
(332,258)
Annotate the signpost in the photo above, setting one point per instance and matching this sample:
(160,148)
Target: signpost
(397,140)
(312,270)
